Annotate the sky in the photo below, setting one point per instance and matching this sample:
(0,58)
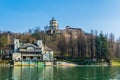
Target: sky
(100,15)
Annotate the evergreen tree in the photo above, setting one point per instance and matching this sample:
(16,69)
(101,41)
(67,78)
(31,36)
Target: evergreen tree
(102,51)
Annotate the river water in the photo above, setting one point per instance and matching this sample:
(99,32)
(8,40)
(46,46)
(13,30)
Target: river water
(60,73)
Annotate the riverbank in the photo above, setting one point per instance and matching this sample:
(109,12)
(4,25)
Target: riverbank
(66,64)
(59,63)
(63,63)
(87,62)
(5,63)
(115,62)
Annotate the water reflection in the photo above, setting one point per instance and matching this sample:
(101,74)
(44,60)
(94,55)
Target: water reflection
(33,73)
(60,73)
(6,73)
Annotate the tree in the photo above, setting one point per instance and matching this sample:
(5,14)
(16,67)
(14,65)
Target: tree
(82,46)
(111,45)
(102,51)
(62,46)
(117,49)
(3,44)
(91,45)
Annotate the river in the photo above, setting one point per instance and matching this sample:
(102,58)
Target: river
(60,73)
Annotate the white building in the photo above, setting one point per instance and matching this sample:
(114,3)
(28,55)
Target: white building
(31,52)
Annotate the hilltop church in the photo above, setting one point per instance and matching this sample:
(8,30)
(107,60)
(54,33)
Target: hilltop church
(53,29)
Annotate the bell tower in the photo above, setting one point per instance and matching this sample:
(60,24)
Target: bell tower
(53,26)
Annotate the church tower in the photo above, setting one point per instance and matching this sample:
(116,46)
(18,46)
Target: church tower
(53,26)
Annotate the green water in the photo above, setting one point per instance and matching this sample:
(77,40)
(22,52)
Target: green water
(60,73)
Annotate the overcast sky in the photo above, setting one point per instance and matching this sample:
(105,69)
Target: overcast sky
(100,15)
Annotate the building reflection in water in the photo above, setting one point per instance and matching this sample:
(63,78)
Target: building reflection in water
(60,73)
(32,73)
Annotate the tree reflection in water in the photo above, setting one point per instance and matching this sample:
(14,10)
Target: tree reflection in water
(60,73)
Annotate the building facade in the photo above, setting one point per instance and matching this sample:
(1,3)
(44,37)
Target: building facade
(27,52)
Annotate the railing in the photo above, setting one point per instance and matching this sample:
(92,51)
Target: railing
(31,54)
(25,50)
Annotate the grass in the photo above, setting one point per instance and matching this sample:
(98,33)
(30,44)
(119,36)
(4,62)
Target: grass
(115,62)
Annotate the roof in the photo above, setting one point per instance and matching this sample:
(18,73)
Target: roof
(27,45)
(47,48)
(53,19)
(75,29)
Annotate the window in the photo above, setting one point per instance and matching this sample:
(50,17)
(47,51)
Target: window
(30,48)
(31,57)
(24,57)
(38,57)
